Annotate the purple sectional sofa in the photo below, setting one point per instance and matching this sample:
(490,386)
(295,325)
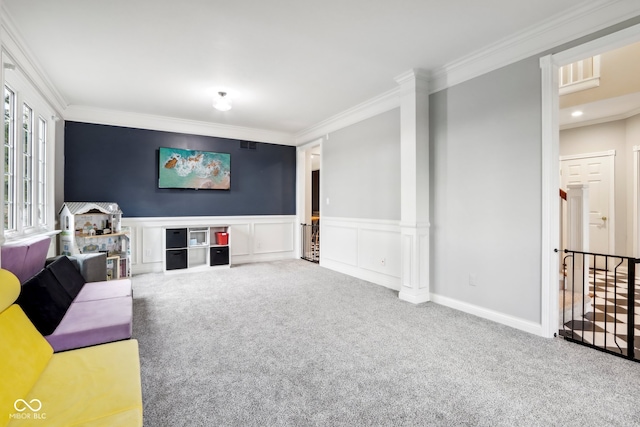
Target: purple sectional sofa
(71,313)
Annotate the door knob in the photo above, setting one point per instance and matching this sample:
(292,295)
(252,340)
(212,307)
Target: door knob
(604,218)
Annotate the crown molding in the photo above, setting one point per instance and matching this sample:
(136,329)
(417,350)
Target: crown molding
(85,114)
(415,74)
(414,81)
(374,106)
(560,29)
(13,45)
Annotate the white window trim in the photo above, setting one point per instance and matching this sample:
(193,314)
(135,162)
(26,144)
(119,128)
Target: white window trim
(26,93)
(11,145)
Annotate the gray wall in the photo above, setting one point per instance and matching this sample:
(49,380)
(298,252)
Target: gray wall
(486,187)
(361,169)
(486,190)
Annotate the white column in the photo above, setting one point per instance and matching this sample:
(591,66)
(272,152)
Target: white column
(549,204)
(578,234)
(414,183)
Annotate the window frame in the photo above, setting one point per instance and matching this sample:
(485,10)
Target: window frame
(32,212)
(41,184)
(9,173)
(27,166)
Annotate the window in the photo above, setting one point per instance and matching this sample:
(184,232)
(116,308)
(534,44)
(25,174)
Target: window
(9,159)
(580,75)
(42,172)
(25,164)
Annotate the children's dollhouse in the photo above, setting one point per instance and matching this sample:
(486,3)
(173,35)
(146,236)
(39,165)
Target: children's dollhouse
(91,227)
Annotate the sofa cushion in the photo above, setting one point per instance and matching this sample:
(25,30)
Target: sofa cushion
(93,266)
(26,257)
(96,386)
(92,291)
(24,354)
(44,301)
(93,322)
(67,275)
(36,255)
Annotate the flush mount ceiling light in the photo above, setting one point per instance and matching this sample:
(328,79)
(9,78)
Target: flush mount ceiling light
(221,102)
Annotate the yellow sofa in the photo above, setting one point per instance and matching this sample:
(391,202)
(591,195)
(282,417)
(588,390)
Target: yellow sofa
(94,386)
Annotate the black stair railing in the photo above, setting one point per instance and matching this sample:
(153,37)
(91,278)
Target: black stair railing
(598,300)
(310,245)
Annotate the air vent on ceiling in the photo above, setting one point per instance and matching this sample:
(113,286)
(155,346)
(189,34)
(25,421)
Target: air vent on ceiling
(247,145)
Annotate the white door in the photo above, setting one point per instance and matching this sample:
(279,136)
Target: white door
(596,170)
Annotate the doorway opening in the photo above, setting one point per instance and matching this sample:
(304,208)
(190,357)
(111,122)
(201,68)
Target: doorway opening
(574,144)
(309,165)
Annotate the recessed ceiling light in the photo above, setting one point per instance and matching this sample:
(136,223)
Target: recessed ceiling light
(576,113)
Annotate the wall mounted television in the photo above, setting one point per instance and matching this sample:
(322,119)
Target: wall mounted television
(193,169)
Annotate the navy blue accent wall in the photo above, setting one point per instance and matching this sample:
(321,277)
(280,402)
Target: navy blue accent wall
(117,164)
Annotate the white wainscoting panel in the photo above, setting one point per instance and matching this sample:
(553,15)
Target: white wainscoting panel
(338,243)
(251,238)
(241,243)
(379,251)
(151,238)
(273,237)
(363,248)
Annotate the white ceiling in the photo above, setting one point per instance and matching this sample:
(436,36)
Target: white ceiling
(617,108)
(287,64)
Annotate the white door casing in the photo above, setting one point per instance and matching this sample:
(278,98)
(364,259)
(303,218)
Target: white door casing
(550,130)
(303,187)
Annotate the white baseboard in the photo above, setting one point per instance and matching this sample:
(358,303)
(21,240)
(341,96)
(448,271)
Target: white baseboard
(146,268)
(156,267)
(381,279)
(414,298)
(245,259)
(514,322)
